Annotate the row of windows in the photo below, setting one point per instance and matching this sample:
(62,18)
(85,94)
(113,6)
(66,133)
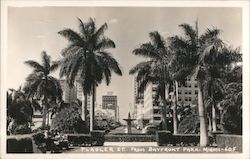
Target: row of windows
(188,92)
(187,99)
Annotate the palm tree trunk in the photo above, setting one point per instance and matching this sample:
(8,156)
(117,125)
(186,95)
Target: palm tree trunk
(165,97)
(84,107)
(92,110)
(214,118)
(48,118)
(175,126)
(209,124)
(44,110)
(202,113)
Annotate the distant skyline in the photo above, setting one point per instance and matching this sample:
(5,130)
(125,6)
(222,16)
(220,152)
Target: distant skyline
(34,29)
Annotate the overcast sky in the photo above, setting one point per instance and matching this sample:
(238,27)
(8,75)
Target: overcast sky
(32,30)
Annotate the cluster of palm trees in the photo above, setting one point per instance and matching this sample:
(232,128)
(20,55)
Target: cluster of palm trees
(87,60)
(204,57)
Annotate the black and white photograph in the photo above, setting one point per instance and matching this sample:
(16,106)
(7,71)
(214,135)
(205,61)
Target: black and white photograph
(96,79)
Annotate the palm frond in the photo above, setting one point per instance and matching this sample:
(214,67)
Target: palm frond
(71,35)
(105,43)
(99,33)
(146,50)
(54,66)
(110,62)
(190,32)
(46,62)
(157,40)
(140,66)
(84,33)
(37,67)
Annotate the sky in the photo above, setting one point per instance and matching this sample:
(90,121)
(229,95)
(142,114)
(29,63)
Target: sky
(32,30)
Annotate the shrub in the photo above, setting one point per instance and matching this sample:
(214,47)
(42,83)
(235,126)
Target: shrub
(189,124)
(224,140)
(19,144)
(15,128)
(98,138)
(69,120)
(40,141)
(166,138)
(232,120)
(79,139)
(163,137)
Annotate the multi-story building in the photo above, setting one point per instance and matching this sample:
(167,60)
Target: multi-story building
(80,95)
(109,101)
(188,93)
(69,94)
(147,111)
(76,92)
(151,108)
(138,105)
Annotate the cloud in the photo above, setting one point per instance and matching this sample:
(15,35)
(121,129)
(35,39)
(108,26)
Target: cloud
(114,20)
(40,36)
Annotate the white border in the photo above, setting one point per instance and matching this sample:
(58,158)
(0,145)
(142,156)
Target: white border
(245,49)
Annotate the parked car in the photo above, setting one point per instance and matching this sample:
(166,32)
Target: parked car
(149,129)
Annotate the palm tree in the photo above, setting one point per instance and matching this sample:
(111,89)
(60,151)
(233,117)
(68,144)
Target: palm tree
(155,69)
(41,85)
(196,54)
(86,58)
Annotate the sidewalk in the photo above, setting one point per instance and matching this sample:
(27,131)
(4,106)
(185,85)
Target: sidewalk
(130,144)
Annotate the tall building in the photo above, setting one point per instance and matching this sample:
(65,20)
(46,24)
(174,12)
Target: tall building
(69,94)
(147,111)
(151,109)
(79,94)
(188,93)
(76,92)
(109,101)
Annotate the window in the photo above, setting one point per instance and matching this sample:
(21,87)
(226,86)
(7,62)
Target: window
(190,92)
(157,118)
(189,99)
(186,99)
(196,91)
(179,99)
(179,92)
(186,92)
(195,85)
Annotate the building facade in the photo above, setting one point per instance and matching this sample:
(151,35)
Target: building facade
(69,94)
(109,101)
(147,111)
(188,92)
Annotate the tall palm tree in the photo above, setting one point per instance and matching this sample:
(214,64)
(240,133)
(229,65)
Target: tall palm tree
(41,84)
(196,53)
(86,58)
(155,69)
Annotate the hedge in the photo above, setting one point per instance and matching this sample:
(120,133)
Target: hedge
(19,144)
(129,138)
(224,140)
(95,138)
(166,138)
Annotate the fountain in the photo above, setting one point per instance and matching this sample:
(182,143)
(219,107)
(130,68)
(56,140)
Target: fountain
(129,121)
